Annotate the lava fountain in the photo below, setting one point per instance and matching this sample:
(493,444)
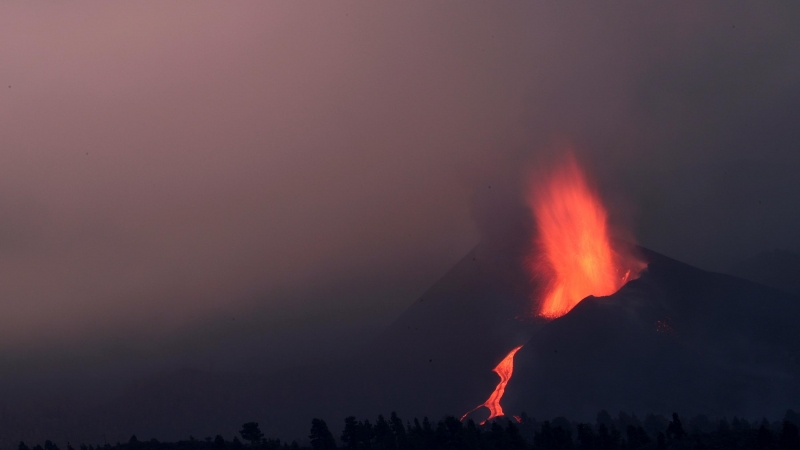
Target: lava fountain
(504,369)
(572,253)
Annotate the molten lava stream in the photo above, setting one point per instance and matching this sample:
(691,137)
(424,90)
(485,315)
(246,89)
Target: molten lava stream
(505,369)
(572,253)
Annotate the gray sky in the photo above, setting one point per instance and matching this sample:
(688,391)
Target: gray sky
(177,175)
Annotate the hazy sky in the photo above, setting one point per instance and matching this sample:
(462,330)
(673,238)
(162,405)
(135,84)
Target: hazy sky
(176,173)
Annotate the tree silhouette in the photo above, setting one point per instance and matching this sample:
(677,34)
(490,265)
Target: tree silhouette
(320,436)
(513,439)
(414,434)
(604,418)
(552,438)
(400,436)
(251,433)
(496,436)
(675,428)
(637,437)
(384,437)
(350,433)
(764,440)
(449,433)
(790,437)
(236,444)
(472,435)
(607,439)
(366,434)
(661,442)
(428,436)
(219,442)
(271,444)
(586,437)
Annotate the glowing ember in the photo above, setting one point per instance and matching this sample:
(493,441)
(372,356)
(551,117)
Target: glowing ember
(573,252)
(504,369)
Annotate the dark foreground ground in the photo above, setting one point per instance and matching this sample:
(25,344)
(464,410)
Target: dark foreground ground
(517,433)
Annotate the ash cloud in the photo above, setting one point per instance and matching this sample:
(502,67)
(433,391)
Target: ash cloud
(178,178)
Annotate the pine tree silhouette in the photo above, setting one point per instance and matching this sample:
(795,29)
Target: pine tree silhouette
(250,432)
(320,436)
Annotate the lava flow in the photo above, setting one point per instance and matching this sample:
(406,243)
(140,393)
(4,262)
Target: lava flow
(573,253)
(504,369)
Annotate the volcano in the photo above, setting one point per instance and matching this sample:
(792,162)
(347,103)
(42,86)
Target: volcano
(560,320)
(676,339)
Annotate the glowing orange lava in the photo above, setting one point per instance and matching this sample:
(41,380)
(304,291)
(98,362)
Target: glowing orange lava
(504,369)
(573,253)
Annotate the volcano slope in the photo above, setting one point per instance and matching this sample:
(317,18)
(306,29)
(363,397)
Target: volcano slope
(776,268)
(676,339)
(435,359)
(441,351)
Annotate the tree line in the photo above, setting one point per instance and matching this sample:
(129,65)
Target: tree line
(624,432)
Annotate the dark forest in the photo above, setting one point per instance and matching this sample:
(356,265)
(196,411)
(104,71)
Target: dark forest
(625,432)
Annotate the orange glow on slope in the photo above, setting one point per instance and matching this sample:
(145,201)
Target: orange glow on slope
(505,369)
(573,251)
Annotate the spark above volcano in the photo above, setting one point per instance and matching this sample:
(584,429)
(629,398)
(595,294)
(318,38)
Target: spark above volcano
(572,252)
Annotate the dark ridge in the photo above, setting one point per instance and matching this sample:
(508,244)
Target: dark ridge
(779,269)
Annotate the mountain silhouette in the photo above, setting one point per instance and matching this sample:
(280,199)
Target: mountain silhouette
(676,339)
(776,268)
